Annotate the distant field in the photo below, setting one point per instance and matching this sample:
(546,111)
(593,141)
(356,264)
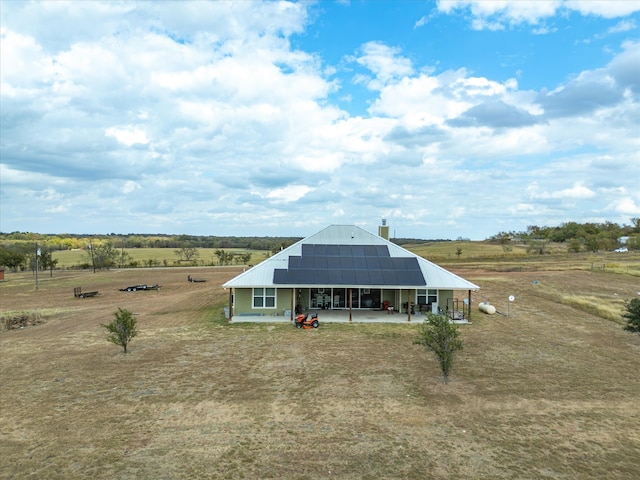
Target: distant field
(471,250)
(437,251)
(159,256)
(483,255)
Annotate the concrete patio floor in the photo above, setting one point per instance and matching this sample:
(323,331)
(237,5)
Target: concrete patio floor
(341,316)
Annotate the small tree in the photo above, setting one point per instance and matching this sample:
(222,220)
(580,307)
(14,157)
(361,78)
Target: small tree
(122,329)
(537,245)
(632,314)
(224,257)
(11,257)
(440,336)
(103,254)
(187,253)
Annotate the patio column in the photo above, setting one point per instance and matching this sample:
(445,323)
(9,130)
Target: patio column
(230,304)
(350,302)
(469,319)
(408,305)
(293,300)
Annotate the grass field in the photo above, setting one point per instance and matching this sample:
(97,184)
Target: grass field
(550,392)
(158,256)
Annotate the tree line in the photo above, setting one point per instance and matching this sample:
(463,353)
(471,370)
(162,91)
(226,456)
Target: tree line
(589,237)
(17,249)
(72,241)
(101,255)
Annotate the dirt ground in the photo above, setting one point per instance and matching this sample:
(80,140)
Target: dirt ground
(548,392)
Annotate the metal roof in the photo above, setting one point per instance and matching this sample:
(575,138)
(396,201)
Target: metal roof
(353,241)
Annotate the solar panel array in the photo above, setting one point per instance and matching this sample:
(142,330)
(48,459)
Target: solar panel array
(349,265)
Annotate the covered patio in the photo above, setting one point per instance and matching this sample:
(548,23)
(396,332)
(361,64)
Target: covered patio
(343,316)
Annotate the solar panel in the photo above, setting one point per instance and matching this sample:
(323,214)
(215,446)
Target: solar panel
(373,263)
(346,263)
(335,277)
(386,263)
(348,277)
(333,250)
(370,251)
(376,277)
(280,275)
(389,277)
(362,277)
(359,263)
(349,265)
(334,263)
(320,263)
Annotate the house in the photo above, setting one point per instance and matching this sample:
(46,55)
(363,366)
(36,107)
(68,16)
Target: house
(345,268)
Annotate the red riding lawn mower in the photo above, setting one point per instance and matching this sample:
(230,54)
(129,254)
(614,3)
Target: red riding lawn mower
(303,321)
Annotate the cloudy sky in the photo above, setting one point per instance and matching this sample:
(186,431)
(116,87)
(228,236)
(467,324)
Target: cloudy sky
(449,119)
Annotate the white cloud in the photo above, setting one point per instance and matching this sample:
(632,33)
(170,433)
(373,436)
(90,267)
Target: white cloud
(625,206)
(494,15)
(577,191)
(513,11)
(291,193)
(209,115)
(127,135)
(385,63)
(130,186)
(603,8)
(623,26)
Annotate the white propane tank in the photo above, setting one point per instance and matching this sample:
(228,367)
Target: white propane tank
(484,307)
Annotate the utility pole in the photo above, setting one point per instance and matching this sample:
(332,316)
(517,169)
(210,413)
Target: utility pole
(93,261)
(37,263)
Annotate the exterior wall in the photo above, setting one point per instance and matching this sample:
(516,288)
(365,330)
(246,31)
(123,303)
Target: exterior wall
(243,302)
(389,296)
(445,297)
(283,300)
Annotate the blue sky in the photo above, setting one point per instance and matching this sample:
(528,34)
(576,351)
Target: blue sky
(449,119)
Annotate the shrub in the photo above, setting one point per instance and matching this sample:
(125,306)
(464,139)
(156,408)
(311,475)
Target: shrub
(440,336)
(632,315)
(122,329)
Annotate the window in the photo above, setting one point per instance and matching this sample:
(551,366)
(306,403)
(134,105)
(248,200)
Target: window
(427,297)
(264,298)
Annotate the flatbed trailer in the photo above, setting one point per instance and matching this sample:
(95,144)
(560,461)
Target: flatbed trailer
(135,288)
(78,293)
(196,280)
